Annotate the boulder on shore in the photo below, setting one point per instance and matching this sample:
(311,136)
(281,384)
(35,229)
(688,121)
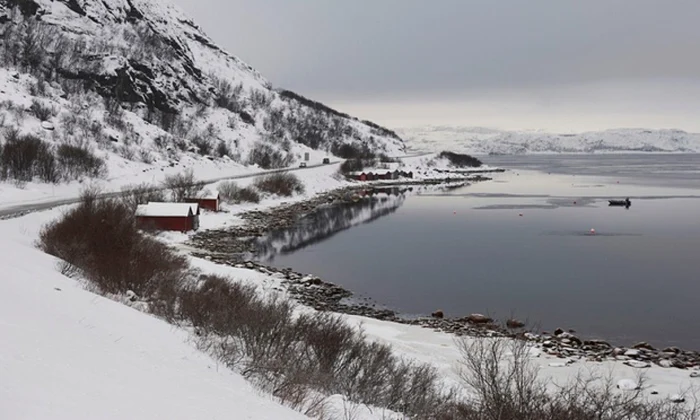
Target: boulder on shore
(438,314)
(478,319)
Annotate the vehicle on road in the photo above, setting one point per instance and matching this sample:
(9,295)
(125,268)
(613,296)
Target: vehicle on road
(302,165)
(326,160)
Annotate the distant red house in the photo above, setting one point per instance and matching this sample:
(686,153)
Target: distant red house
(209,202)
(181,217)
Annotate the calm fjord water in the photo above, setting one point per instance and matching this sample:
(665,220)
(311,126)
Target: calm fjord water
(470,250)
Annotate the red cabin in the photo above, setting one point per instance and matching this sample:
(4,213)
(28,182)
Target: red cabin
(181,217)
(209,202)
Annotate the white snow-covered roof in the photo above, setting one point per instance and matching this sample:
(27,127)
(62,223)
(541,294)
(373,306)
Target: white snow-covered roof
(167,209)
(210,196)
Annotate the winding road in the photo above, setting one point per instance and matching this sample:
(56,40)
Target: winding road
(22,209)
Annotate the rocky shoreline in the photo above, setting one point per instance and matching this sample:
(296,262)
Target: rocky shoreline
(233,246)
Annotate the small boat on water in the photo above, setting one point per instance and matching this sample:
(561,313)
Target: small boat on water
(624,203)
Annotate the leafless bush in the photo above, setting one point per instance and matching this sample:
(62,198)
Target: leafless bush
(222,149)
(183,185)
(203,145)
(26,157)
(78,161)
(506,386)
(231,193)
(114,114)
(33,38)
(297,358)
(41,111)
(497,370)
(145,156)
(280,183)
(267,156)
(162,141)
(100,237)
(227,96)
(133,195)
(215,304)
(259,99)
(38,88)
(127,152)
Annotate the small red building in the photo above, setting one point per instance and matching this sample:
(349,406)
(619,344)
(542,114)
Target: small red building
(209,202)
(181,217)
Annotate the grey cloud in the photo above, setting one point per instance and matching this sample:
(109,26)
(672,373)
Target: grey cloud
(388,48)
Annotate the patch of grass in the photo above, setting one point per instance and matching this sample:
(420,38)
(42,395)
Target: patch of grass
(282,183)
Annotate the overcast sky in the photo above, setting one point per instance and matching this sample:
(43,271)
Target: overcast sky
(559,65)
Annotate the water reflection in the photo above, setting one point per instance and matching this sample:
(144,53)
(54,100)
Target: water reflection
(363,207)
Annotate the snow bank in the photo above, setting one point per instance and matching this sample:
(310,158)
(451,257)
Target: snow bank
(67,353)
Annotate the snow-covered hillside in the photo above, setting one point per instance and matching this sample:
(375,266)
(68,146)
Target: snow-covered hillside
(139,85)
(66,353)
(477,140)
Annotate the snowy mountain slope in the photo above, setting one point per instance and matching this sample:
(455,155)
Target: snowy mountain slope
(67,353)
(139,85)
(478,140)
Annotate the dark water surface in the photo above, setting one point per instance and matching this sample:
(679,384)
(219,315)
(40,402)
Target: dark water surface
(521,244)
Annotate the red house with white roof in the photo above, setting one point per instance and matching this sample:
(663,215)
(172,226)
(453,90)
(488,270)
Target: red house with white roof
(181,217)
(207,202)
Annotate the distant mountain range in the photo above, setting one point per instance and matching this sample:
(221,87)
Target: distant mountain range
(479,140)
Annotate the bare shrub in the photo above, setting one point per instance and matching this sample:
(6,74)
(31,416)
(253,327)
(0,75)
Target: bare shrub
(100,237)
(38,88)
(215,304)
(506,386)
(497,370)
(162,141)
(280,183)
(203,144)
(227,96)
(26,157)
(230,192)
(41,111)
(133,195)
(78,161)
(183,185)
(222,149)
(127,152)
(114,114)
(352,151)
(355,165)
(296,358)
(145,156)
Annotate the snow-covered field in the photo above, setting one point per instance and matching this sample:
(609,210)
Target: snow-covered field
(68,353)
(477,140)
